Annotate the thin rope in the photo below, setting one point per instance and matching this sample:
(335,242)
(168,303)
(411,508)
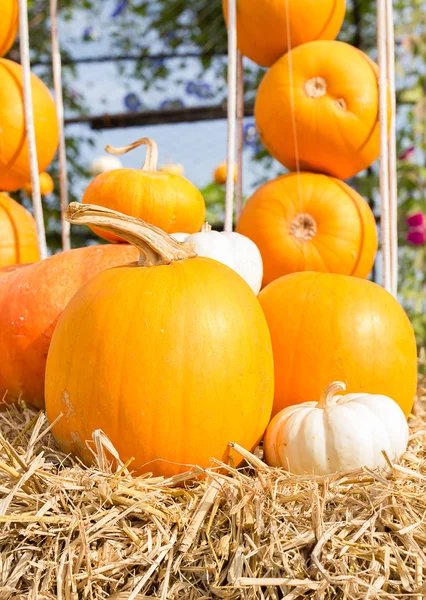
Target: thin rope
(57,84)
(232,110)
(240,135)
(29,126)
(292,104)
(392,155)
(384,154)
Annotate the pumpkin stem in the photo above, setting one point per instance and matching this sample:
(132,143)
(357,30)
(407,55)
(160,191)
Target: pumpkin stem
(327,397)
(303,227)
(151,158)
(155,246)
(206,227)
(316,87)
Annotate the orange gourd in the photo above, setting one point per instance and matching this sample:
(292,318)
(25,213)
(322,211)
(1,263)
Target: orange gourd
(170,358)
(310,222)
(31,300)
(266,30)
(161,198)
(18,233)
(320,112)
(327,327)
(9,23)
(220,173)
(14,158)
(46,185)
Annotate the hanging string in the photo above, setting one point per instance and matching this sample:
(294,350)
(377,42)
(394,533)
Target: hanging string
(392,156)
(292,103)
(57,84)
(240,135)
(232,109)
(384,148)
(29,126)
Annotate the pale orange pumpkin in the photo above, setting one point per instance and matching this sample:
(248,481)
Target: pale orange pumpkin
(161,198)
(9,23)
(171,358)
(268,29)
(310,222)
(46,185)
(14,158)
(18,233)
(320,111)
(327,327)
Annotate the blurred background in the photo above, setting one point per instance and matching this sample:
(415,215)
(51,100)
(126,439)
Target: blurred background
(157,68)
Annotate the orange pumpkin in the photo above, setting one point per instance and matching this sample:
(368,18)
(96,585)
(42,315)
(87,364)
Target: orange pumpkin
(162,198)
(18,233)
(14,158)
(31,300)
(9,23)
(46,185)
(170,372)
(220,173)
(320,111)
(327,327)
(10,268)
(310,222)
(263,27)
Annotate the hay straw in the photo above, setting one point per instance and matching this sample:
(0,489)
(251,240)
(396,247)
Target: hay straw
(70,532)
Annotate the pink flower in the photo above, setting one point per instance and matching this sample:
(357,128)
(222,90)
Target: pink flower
(416,237)
(408,153)
(416,220)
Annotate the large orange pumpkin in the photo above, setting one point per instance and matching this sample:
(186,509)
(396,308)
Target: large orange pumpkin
(319,111)
(263,28)
(310,222)
(162,198)
(328,327)
(171,362)
(18,234)
(14,158)
(9,23)
(31,300)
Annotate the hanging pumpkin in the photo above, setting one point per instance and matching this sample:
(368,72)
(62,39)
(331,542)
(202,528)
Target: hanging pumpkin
(230,248)
(220,173)
(9,23)
(310,222)
(319,111)
(267,30)
(31,300)
(46,185)
(18,233)
(338,433)
(163,199)
(14,157)
(327,327)
(178,403)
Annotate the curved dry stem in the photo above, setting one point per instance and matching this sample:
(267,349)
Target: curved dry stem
(327,397)
(206,227)
(151,158)
(155,246)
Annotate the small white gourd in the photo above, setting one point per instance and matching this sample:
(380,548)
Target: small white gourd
(230,248)
(338,433)
(105,163)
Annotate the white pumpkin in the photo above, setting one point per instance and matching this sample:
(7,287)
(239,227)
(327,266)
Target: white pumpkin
(105,163)
(337,433)
(230,248)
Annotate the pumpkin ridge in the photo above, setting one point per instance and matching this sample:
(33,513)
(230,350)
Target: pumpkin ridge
(328,22)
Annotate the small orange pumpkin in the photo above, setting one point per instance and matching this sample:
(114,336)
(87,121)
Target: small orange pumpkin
(327,327)
(220,173)
(310,222)
(46,185)
(263,27)
(320,111)
(18,233)
(9,23)
(144,352)
(161,198)
(14,158)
